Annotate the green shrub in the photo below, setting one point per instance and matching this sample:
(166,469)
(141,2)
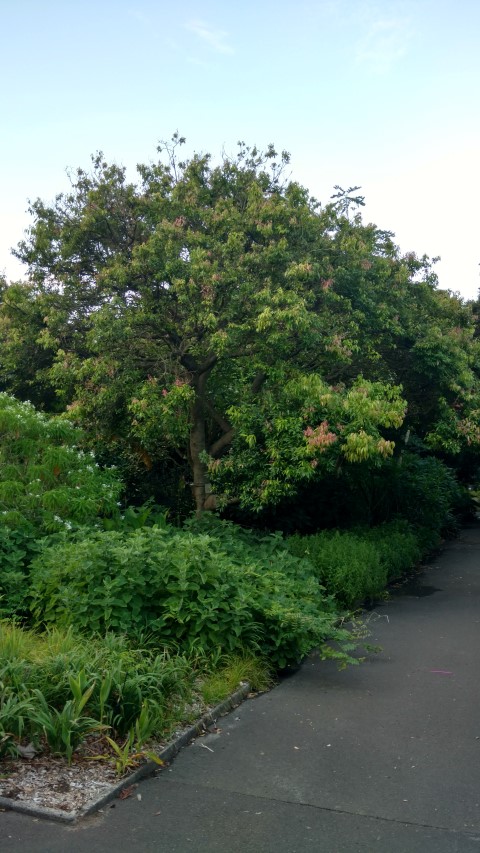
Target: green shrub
(226,590)
(177,585)
(46,482)
(397,545)
(347,565)
(287,602)
(425,493)
(47,485)
(17,547)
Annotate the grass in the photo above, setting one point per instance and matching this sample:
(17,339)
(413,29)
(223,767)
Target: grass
(233,671)
(58,687)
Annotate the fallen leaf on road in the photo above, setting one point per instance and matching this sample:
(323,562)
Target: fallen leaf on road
(126,792)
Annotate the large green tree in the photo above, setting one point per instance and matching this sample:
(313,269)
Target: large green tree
(177,301)
(217,315)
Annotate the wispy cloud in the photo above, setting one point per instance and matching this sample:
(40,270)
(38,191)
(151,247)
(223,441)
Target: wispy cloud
(216,39)
(385,42)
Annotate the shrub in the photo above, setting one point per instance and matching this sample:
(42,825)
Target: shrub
(287,601)
(176,585)
(225,590)
(397,545)
(46,483)
(425,493)
(346,564)
(17,547)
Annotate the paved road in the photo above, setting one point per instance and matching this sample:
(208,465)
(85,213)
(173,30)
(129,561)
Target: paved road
(381,758)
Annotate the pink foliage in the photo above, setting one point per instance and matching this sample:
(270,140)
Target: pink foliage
(320,437)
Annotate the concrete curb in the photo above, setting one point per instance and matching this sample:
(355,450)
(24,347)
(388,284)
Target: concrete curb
(149,768)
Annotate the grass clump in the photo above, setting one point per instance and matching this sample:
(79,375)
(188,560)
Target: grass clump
(60,690)
(233,671)
(59,687)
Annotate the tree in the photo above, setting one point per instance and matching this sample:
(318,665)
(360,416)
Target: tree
(180,303)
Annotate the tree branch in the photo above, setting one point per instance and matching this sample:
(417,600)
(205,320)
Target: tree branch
(217,417)
(221,443)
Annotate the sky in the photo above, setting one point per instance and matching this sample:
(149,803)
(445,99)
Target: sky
(382,95)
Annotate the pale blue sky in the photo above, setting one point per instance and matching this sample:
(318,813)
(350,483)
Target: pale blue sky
(380,94)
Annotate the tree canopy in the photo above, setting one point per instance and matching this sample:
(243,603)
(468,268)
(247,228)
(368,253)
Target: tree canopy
(216,320)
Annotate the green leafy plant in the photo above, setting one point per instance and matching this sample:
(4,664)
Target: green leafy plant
(224,589)
(134,518)
(65,729)
(289,606)
(347,565)
(108,680)
(15,710)
(47,483)
(129,754)
(176,585)
(125,756)
(397,546)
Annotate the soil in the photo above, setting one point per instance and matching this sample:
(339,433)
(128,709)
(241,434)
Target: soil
(51,783)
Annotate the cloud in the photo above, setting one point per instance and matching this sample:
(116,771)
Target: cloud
(385,42)
(216,39)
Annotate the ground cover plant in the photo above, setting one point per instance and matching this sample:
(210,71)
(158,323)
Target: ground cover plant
(64,694)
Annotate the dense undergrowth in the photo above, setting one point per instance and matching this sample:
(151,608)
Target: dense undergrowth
(62,692)
(136,627)
(116,625)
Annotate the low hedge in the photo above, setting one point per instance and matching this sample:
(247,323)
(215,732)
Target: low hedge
(356,566)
